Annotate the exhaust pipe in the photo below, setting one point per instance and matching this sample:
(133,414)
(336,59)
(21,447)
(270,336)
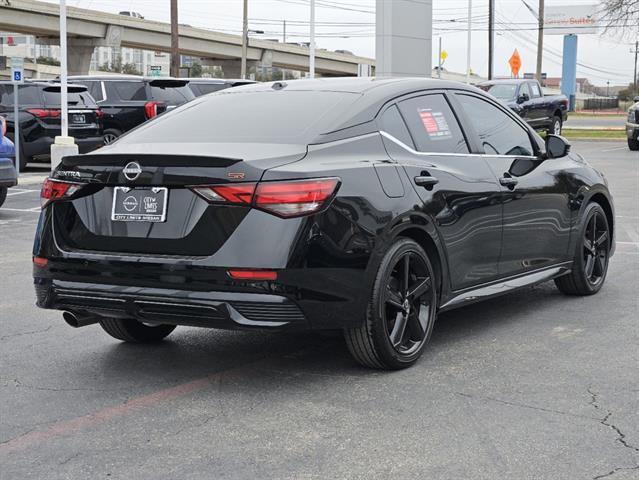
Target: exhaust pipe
(77,322)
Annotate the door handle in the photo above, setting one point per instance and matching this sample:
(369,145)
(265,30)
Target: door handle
(508,181)
(426,181)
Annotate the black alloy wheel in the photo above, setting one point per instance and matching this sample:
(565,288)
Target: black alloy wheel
(590,264)
(401,311)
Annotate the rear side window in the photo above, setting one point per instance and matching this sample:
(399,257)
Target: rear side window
(392,123)
(27,95)
(433,125)
(172,95)
(499,134)
(95,89)
(130,91)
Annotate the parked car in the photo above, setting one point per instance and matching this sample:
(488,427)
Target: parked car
(8,175)
(632,126)
(39,113)
(367,205)
(527,99)
(129,100)
(202,86)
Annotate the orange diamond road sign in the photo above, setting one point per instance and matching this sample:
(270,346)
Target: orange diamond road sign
(515,63)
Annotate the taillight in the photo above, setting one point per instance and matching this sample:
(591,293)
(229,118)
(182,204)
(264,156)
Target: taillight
(99,113)
(255,275)
(290,198)
(40,262)
(44,112)
(53,190)
(151,109)
(295,198)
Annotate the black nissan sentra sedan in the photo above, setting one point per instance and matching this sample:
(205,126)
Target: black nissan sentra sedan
(366,205)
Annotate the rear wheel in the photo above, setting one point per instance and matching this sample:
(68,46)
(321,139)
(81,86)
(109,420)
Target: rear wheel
(590,264)
(633,144)
(129,330)
(110,135)
(555,126)
(3,195)
(401,311)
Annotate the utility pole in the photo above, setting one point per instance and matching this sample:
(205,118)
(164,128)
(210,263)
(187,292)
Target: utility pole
(491,37)
(284,31)
(634,80)
(311,60)
(244,40)
(439,62)
(175,45)
(470,18)
(540,40)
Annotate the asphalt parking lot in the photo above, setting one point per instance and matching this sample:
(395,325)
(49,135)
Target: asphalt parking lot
(533,385)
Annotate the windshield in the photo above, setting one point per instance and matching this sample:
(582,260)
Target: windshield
(253,117)
(503,91)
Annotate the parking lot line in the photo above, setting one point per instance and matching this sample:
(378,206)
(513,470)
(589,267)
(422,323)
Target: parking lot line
(13,192)
(31,210)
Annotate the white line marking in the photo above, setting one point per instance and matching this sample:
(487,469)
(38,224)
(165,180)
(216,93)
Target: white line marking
(32,210)
(632,233)
(11,194)
(613,149)
(628,243)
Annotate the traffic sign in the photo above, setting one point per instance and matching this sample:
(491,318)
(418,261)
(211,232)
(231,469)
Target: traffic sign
(17,69)
(515,63)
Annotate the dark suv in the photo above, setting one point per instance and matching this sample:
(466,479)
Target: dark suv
(39,113)
(632,126)
(129,100)
(203,86)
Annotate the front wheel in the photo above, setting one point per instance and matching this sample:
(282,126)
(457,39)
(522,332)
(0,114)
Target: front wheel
(132,331)
(590,263)
(401,311)
(633,144)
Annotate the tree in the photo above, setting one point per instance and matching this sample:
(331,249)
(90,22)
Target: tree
(196,70)
(620,16)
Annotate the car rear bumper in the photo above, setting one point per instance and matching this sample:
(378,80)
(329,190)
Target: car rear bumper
(40,149)
(8,177)
(224,310)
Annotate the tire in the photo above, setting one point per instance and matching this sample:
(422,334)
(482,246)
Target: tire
(633,144)
(590,263)
(3,195)
(397,326)
(132,331)
(110,135)
(555,126)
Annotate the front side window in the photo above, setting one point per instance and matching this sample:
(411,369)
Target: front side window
(498,133)
(433,125)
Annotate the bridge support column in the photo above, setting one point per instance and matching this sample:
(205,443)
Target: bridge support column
(403,38)
(79,56)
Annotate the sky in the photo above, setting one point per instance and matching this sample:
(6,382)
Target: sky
(349,25)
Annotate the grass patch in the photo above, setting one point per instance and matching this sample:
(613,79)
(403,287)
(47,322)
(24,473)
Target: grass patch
(603,134)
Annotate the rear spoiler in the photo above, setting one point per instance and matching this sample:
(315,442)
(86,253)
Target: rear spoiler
(70,88)
(168,83)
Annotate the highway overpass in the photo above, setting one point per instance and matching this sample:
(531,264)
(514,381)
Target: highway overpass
(89,28)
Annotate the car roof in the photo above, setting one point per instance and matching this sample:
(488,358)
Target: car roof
(123,77)
(42,83)
(215,80)
(507,81)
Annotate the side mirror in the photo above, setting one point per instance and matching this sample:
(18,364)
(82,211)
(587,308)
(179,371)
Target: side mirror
(636,99)
(556,146)
(523,98)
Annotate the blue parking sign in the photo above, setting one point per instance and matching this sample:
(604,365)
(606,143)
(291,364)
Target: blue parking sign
(17,76)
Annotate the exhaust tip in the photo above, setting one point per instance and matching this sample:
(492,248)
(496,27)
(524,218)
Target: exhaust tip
(71,319)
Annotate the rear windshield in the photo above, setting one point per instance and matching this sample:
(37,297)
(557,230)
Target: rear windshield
(204,88)
(253,117)
(75,99)
(502,91)
(172,95)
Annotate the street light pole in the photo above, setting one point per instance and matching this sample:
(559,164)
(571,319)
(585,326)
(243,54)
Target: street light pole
(470,14)
(175,46)
(491,37)
(244,39)
(540,40)
(634,80)
(311,61)
(64,98)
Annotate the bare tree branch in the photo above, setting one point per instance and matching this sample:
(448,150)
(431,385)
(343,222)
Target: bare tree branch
(620,17)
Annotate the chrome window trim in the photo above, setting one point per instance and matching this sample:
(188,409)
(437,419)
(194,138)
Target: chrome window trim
(435,154)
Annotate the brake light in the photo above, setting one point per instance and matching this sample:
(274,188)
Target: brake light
(40,262)
(53,190)
(44,112)
(255,275)
(151,109)
(295,198)
(287,199)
